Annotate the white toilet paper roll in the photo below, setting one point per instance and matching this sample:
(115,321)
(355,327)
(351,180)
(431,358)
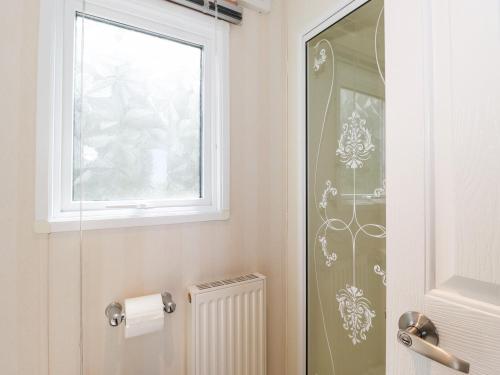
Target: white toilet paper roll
(143,315)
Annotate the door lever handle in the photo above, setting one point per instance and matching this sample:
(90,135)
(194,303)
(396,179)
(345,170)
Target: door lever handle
(418,333)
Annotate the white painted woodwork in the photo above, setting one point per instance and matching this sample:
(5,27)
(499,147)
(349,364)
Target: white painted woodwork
(443,200)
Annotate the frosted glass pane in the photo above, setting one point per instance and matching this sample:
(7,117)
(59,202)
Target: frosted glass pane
(141,130)
(346,196)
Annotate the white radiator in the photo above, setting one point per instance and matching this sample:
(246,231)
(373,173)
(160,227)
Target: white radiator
(227,327)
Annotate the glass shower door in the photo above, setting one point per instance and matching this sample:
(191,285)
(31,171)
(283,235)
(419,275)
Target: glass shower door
(346,196)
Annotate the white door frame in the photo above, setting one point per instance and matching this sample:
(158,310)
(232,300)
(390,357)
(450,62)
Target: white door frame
(407,118)
(342,9)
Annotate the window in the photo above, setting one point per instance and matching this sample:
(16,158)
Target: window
(132,115)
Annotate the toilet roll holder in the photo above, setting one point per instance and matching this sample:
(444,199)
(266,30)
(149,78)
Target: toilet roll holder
(115,314)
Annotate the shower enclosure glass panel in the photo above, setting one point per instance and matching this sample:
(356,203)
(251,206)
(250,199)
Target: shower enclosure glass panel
(346,196)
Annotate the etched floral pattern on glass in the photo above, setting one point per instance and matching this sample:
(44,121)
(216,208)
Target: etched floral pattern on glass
(346,196)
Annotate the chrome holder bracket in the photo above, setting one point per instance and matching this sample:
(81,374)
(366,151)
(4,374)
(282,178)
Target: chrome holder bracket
(116,314)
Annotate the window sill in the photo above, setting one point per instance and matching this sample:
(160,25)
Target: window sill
(139,218)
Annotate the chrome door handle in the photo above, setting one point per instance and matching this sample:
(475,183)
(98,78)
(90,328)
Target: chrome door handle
(419,334)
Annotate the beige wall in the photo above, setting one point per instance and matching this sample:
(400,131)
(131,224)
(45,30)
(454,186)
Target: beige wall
(22,253)
(301,16)
(39,274)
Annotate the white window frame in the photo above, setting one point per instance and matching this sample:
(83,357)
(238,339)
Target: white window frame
(55,116)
